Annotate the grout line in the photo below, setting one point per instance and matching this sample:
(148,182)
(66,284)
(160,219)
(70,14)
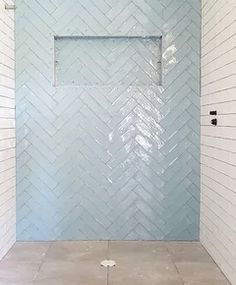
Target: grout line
(108,257)
(108,249)
(108,275)
(182,281)
(42,261)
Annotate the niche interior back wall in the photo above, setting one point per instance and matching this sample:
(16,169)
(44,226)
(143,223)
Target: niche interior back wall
(108,130)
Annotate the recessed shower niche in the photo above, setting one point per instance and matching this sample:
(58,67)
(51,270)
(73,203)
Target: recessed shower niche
(107,60)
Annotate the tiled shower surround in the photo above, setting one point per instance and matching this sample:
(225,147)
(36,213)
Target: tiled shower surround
(99,158)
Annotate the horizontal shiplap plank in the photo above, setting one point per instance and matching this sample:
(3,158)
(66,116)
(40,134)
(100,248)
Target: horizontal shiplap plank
(222,54)
(6,196)
(219,73)
(222,84)
(223,16)
(219,60)
(221,166)
(227,95)
(219,132)
(209,9)
(7,113)
(223,192)
(7,123)
(7,131)
(214,208)
(7,92)
(7,143)
(227,120)
(7,70)
(225,235)
(7,81)
(7,164)
(6,154)
(8,184)
(219,143)
(217,248)
(219,39)
(7,102)
(216,175)
(222,155)
(228,107)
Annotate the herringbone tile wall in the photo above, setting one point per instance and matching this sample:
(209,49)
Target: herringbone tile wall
(108,161)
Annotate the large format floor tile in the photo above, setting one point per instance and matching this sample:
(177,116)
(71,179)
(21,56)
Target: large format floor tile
(195,265)
(188,252)
(137,262)
(67,262)
(16,272)
(77,251)
(142,263)
(201,273)
(29,252)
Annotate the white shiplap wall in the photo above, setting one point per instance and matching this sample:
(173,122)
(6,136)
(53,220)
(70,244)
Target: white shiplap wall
(218,144)
(7,130)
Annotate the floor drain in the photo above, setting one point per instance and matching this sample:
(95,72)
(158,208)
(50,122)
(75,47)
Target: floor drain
(108,263)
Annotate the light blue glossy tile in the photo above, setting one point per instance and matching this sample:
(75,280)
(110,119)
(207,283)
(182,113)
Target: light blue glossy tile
(118,159)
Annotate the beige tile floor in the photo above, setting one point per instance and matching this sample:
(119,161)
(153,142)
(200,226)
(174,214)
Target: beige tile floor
(139,263)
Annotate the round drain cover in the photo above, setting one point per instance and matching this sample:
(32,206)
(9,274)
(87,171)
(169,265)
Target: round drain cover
(108,263)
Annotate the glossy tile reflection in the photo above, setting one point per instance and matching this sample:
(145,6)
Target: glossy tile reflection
(114,154)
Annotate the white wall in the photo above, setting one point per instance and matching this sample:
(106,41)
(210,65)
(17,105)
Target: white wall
(7,130)
(218,144)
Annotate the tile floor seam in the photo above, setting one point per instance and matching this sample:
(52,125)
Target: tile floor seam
(180,276)
(42,261)
(108,275)
(108,257)
(108,249)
